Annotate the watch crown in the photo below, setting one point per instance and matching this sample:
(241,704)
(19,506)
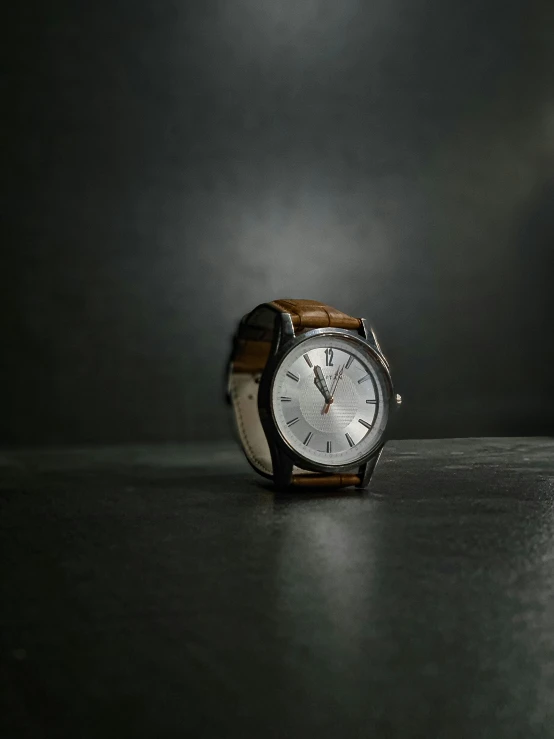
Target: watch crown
(398,399)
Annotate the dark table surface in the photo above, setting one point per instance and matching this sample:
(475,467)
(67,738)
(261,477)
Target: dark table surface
(167,591)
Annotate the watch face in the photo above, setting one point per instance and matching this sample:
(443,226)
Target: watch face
(330,400)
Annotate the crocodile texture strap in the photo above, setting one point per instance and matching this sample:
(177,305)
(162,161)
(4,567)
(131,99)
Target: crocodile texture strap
(251,350)
(312,314)
(325,481)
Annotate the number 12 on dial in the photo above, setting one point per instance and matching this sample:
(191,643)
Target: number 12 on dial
(329,357)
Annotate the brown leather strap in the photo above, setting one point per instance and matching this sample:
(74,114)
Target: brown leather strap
(325,481)
(253,343)
(313,314)
(250,354)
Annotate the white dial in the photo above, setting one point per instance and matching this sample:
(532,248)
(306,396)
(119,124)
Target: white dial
(330,400)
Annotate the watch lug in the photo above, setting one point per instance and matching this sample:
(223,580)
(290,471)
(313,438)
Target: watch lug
(366,470)
(282,467)
(286,329)
(282,333)
(281,463)
(366,332)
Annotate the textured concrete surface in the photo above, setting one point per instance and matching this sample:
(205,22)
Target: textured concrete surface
(167,591)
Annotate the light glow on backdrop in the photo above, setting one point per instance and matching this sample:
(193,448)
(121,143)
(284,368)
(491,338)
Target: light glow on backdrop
(305,31)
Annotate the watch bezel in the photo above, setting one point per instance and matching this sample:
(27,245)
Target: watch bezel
(276,440)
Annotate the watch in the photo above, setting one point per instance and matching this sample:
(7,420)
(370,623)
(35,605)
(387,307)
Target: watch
(312,394)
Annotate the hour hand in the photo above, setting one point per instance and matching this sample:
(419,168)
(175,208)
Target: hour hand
(321,385)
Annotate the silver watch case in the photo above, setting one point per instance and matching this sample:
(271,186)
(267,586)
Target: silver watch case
(282,455)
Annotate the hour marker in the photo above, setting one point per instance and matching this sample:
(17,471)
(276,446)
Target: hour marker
(364,423)
(291,423)
(364,378)
(328,447)
(285,400)
(349,439)
(293,376)
(308,360)
(350,360)
(371,401)
(307,439)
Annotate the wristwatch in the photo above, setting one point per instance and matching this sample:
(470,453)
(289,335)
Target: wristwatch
(311,393)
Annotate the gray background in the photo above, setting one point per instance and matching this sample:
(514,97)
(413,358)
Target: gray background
(171,165)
